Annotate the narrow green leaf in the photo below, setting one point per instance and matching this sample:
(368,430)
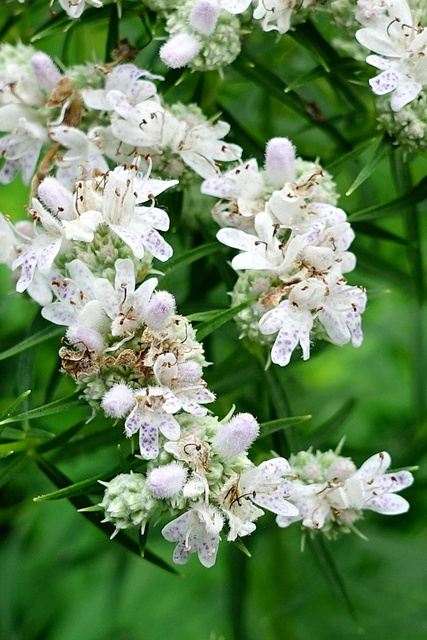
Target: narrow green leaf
(329,427)
(330,572)
(61,439)
(276,87)
(190,256)
(84,487)
(12,466)
(341,160)
(58,406)
(203,316)
(393,207)
(384,148)
(32,341)
(207,327)
(341,64)
(369,229)
(25,444)
(267,428)
(11,410)
(60,480)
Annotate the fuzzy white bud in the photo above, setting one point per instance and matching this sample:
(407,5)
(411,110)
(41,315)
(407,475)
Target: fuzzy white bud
(204,16)
(179,50)
(45,70)
(159,310)
(190,372)
(57,198)
(279,161)
(166,481)
(236,436)
(90,338)
(118,401)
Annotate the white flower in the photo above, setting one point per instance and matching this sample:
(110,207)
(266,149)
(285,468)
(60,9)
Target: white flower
(264,486)
(82,158)
(76,304)
(371,488)
(126,79)
(396,35)
(188,396)
(123,304)
(136,225)
(21,147)
(75,8)
(196,531)
(340,500)
(152,413)
(201,146)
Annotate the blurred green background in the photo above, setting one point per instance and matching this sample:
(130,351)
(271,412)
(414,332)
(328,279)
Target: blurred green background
(62,579)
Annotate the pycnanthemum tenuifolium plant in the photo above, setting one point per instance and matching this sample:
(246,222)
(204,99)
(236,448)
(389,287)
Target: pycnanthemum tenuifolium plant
(102,147)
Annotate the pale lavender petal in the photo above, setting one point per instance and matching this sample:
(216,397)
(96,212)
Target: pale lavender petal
(384,83)
(405,93)
(388,504)
(374,466)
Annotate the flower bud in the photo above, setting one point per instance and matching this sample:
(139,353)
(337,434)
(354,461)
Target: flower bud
(90,338)
(159,310)
(236,436)
(118,401)
(189,372)
(279,161)
(127,502)
(204,16)
(45,70)
(166,481)
(57,198)
(179,50)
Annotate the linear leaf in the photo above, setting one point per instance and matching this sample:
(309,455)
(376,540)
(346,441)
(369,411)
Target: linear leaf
(330,572)
(384,148)
(393,207)
(267,428)
(60,480)
(10,411)
(203,316)
(32,341)
(90,485)
(369,229)
(329,427)
(12,466)
(190,256)
(58,406)
(207,327)
(342,64)
(61,439)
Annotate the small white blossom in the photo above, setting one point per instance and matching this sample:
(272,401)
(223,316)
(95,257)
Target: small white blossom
(196,531)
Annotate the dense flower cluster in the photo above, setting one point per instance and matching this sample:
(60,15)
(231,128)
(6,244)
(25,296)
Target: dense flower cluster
(396,33)
(110,146)
(294,243)
(88,120)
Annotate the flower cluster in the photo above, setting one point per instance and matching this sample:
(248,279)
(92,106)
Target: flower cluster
(395,32)
(93,118)
(331,493)
(206,34)
(110,147)
(293,242)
